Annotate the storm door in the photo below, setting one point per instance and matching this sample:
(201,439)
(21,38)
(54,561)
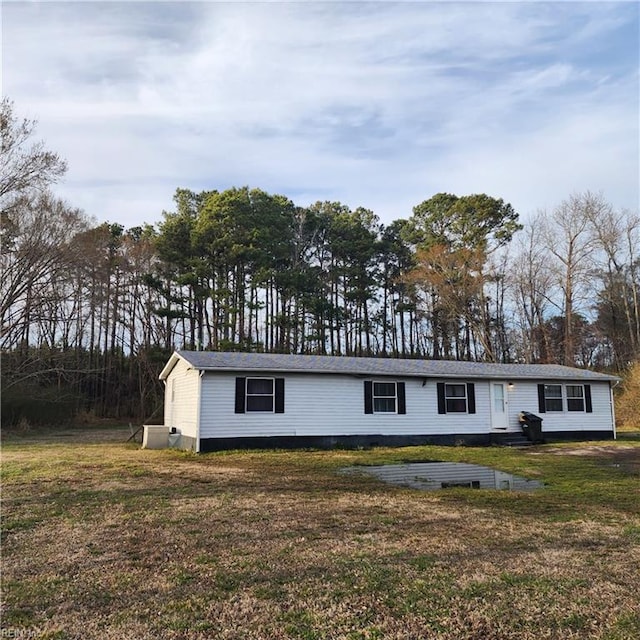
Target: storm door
(499,406)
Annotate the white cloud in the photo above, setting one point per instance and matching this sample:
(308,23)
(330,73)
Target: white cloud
(379,105)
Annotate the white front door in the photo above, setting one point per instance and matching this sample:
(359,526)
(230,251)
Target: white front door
(499,406)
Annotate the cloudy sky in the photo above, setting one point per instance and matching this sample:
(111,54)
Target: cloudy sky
(374,104)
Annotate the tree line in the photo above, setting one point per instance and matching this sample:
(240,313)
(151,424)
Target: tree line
(90,311)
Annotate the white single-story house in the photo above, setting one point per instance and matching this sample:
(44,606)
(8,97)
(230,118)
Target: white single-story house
(217,401)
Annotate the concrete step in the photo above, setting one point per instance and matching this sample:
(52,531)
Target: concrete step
(510,440)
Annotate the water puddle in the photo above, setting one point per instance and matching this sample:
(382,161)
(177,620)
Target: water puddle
(434,476)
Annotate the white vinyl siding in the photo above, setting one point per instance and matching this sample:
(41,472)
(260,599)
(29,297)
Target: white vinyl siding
(524,397)
(181,399)
(328,404)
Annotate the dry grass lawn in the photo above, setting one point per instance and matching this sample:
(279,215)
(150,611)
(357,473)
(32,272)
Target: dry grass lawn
(103,540)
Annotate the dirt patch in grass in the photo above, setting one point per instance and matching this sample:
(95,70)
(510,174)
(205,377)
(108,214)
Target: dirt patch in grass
(111,541)
(626,455)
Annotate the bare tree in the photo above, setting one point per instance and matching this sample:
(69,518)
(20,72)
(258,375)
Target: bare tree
(33,262)
(24,165)
(569,236)
(632,237)
(617,234)
(34,225)
(531,283)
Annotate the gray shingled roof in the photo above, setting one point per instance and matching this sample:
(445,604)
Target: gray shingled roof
(282,363)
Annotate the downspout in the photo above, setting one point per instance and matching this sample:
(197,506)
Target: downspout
(164,403)
(613,408)
(198,410)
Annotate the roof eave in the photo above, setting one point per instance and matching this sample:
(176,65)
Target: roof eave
(171,363)
(405,374)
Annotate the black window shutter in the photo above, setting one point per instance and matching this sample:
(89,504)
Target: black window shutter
(279,395)
(368,396)
(471,397)
(240,391)
(541,405)
(587,398)
(442,407)
(402,403)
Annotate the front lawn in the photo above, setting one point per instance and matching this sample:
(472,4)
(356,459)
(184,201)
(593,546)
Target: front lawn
(101,539)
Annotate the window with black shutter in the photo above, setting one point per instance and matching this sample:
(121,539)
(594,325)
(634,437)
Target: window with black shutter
(456,397)
(564,397)
(255,394)
(384,397)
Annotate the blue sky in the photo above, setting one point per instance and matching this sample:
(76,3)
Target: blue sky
(379,105)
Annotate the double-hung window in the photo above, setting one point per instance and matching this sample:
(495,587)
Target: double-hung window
(553,397)
(575,397)
(384,397)
(564,397)
(456,397)
(259,394)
